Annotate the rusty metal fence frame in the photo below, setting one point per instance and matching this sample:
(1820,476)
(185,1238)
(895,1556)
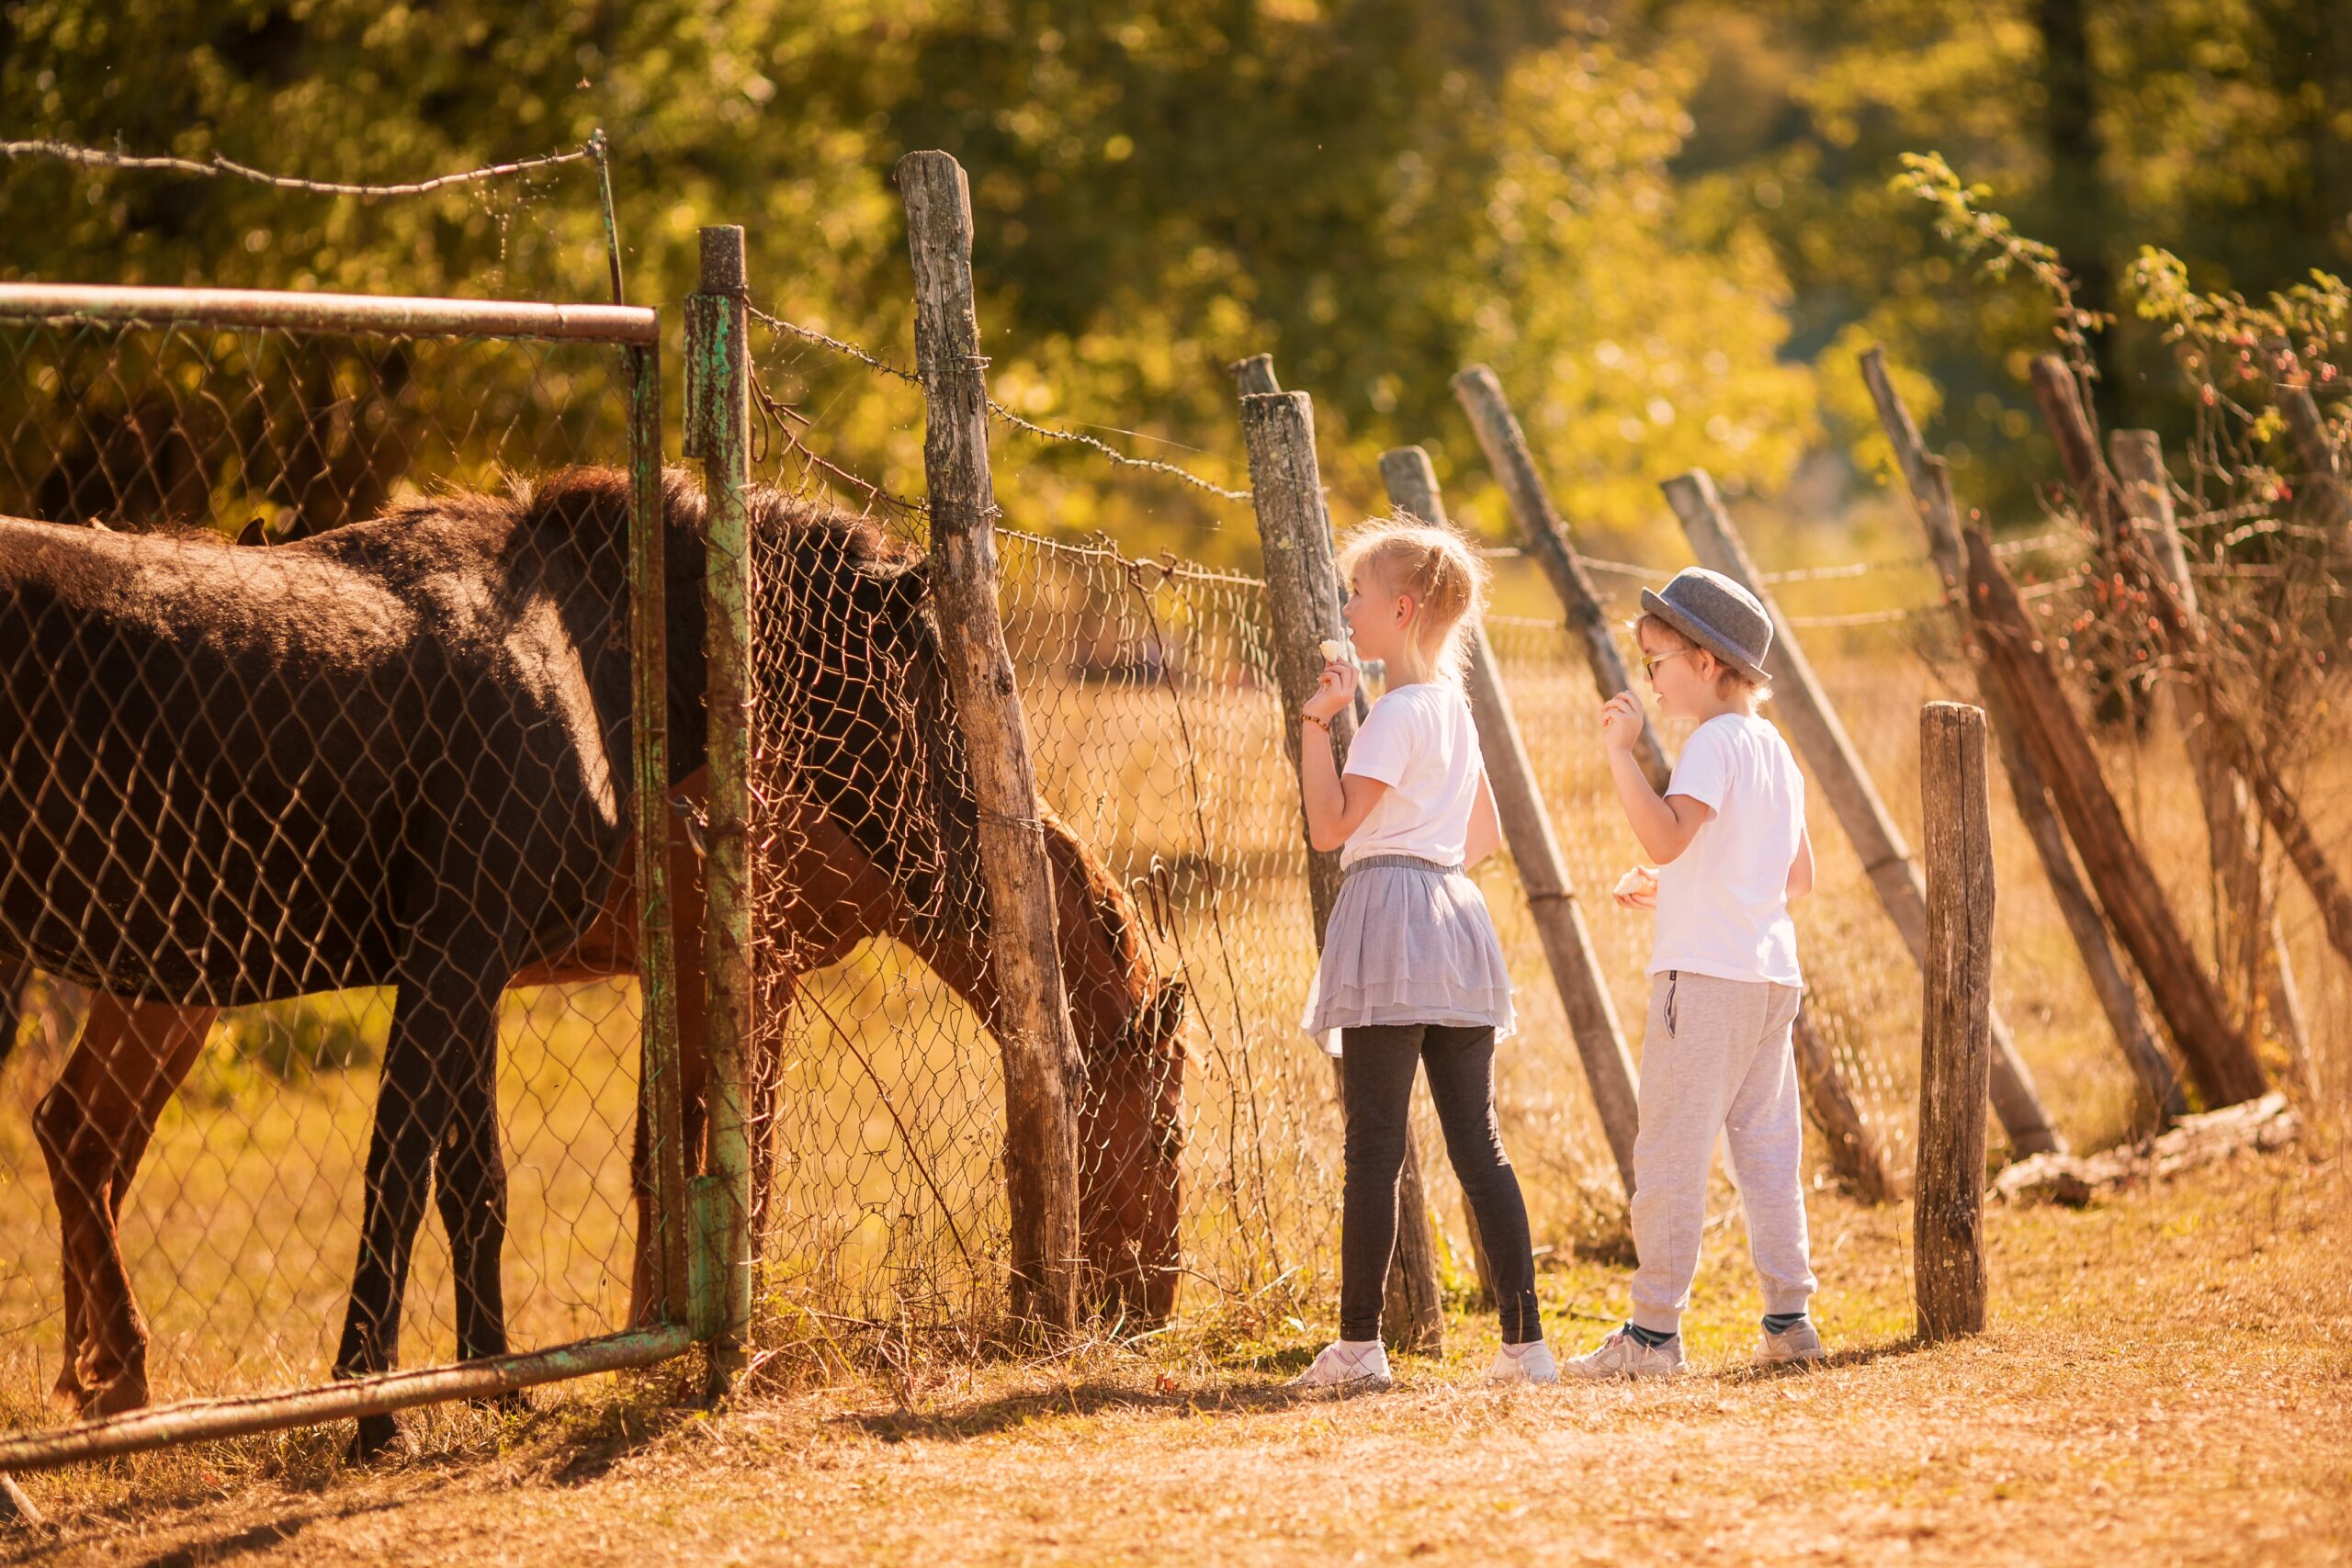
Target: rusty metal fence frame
(634,332)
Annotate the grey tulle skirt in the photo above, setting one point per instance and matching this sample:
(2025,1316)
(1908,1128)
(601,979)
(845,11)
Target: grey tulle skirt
(1410,942)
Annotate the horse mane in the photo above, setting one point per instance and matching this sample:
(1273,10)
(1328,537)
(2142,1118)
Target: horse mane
(562,500)
(781,517)
(1110,911)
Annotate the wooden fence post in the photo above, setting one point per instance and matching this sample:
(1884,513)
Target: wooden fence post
(1930,485)
(2219,1059)
(1041,1062)
(719,432)
(1505,444)
(1955,1024)
(1536,852)
(1302,598)
(1886,858)
(2247,935)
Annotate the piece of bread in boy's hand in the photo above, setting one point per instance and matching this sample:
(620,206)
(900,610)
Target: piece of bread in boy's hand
(1332,650)
(1637,889)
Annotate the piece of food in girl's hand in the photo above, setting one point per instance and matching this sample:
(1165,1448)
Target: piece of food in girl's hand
(1332,650)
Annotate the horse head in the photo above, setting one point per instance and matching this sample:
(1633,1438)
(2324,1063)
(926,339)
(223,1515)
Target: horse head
(858,721)
(1129,1021)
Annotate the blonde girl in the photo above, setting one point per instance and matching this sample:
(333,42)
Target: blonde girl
(1412,975)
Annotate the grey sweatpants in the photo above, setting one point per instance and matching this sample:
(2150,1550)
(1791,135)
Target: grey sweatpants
(1717,1059)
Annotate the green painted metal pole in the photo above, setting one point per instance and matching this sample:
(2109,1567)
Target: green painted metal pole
(201,1420)
(719,432)
(663,1206)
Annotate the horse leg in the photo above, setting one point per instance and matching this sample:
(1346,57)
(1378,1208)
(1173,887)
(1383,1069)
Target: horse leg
(446,1015)
(469,1188)
(94,1127)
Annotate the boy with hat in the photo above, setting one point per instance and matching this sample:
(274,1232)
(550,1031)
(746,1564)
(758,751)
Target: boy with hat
(1731,847)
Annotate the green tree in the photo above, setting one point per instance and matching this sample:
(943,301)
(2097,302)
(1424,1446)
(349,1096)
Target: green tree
(1377,192)
(2216,129)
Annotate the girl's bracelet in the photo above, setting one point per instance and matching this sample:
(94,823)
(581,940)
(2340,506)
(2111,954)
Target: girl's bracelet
(1322,723)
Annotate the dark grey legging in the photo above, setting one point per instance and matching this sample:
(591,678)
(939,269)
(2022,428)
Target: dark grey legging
(1376,1076)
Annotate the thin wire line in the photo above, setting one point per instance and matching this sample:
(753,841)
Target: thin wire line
(1822,573)
(1863,617)
(219,165)
(875,362)
(1153,464)
(871,360)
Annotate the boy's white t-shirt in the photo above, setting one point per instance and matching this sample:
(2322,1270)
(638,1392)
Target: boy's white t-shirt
(1723,903)
(1420,741)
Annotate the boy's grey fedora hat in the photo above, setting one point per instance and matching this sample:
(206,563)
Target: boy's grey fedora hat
(1718,615)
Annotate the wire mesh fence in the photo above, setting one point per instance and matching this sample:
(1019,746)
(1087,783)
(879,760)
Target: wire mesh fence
(1157,734)
(317,815)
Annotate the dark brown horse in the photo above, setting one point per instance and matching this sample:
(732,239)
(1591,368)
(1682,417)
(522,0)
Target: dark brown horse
(393,755)
(95,1123)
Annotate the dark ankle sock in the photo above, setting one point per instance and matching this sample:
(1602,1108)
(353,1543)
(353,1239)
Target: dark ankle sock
(1782,1322)
(1649,1337)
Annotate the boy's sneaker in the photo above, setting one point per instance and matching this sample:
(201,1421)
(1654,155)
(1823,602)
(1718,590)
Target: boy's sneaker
(1622,1356)
(1530,1363)
(1798,1342)
(1343,1364)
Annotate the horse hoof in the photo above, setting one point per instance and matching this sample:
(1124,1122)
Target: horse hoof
(127,1390)
(376,1434)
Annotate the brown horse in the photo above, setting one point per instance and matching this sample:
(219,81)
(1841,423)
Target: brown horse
(94,1124)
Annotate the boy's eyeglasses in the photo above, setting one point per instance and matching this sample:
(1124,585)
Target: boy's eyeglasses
(1649,665)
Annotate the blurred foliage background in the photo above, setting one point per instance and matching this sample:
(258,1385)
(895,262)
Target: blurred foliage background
(1670,224)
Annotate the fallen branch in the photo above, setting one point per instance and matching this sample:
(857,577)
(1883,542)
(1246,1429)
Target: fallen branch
(2261,1125)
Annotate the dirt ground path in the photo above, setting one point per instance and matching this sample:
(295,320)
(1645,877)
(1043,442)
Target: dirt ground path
(2169,1378)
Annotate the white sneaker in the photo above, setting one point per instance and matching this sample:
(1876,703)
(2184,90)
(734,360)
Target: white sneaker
(1345,1364)
(1798,1342)
(1622,1356)
(1530,1363)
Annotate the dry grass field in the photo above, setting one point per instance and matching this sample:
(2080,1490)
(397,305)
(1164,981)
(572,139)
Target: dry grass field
(2166,1378)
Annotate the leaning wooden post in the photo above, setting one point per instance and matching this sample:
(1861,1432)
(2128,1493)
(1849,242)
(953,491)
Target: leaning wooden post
(2221,1061)
(1287,489)
(1930,485)
(1886,858)
(1853,1151)
(2222,1057)
(718,429)
(1536,852)
(1955,1024)
(2248,935)
(1032,1029)
(1481,396)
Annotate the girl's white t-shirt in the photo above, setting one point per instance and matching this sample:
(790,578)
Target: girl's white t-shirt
(1420,741)
(1723,903)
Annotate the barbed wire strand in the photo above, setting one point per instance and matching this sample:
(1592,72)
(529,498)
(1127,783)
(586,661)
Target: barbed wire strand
(220,167)
(875,362)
